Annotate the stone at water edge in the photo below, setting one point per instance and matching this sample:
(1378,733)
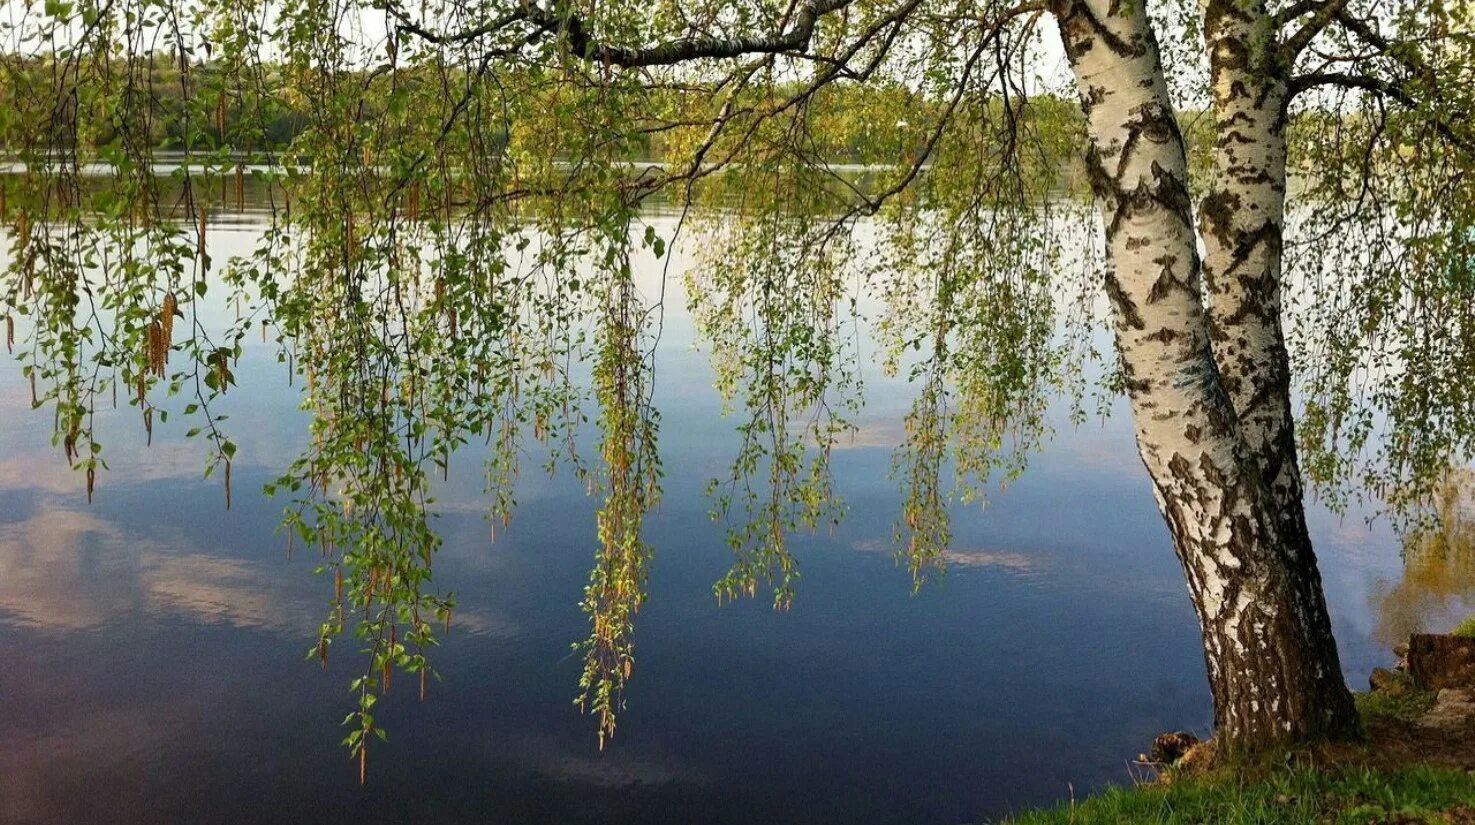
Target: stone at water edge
(1401,651)
(1170,747)
(1388,682)
(1439,661)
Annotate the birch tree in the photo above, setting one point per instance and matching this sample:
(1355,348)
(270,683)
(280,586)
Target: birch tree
(454,221)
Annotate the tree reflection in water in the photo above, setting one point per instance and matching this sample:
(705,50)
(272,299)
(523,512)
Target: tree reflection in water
(1438,584)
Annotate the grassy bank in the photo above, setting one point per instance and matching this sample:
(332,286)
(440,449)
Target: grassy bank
(1404,774)
(1288,795)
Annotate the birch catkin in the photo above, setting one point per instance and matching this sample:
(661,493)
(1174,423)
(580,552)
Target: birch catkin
(166,318)
(200,246)
(156,348)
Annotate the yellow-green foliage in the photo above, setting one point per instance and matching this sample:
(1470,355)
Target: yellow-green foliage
(1465,628)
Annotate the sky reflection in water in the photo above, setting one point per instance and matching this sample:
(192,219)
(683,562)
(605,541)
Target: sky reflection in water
(153,642)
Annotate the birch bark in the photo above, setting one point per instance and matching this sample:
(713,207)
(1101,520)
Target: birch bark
(1243,219)
(1272,663)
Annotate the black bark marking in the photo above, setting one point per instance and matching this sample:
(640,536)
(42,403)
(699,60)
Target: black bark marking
(1218,214)
(1123,303)
(1268,233)
(1167,280)
(1083,26)
(1172,193)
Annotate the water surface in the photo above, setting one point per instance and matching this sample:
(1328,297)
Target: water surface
(154,642)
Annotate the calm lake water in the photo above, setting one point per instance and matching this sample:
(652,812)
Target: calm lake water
(153,642)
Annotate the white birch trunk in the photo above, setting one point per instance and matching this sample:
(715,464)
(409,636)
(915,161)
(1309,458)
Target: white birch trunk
(1274,672)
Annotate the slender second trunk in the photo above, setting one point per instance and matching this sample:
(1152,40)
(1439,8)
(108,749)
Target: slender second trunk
(1243,223)
(1273,672)
(1243,219)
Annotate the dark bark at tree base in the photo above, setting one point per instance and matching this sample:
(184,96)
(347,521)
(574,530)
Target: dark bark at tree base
(1272,660)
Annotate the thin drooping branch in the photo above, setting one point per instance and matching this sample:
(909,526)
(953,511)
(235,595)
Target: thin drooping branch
(1410,61)
(1389,89)
(409,26)
(837,67)
(872,204)
(1395,89)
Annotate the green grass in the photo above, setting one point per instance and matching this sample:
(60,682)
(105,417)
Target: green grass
(1465,628)
(1284,796)
(1369,784)
(1406,707)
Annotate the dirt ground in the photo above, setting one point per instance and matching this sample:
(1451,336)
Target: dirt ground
(1440,741)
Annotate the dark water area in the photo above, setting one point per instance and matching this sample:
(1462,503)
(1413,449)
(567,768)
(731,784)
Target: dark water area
(153,642)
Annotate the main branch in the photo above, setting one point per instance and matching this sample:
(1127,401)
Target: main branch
(543,20)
